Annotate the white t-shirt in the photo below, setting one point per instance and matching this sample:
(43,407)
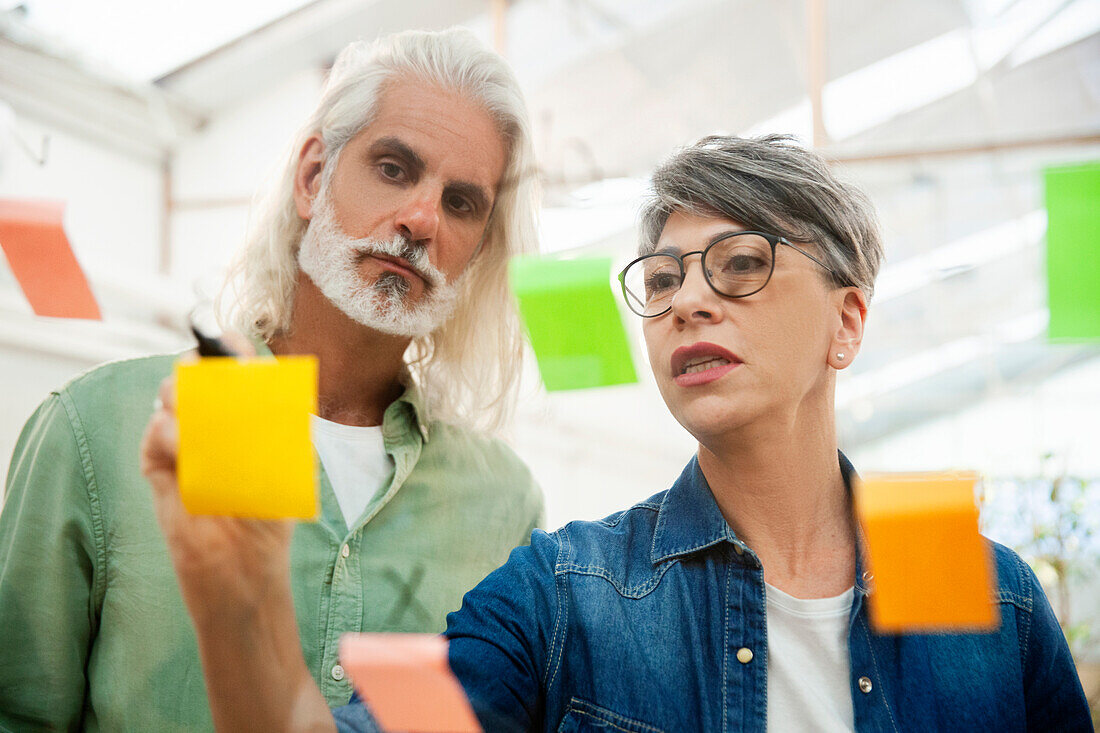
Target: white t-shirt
(355,460)
(808,686)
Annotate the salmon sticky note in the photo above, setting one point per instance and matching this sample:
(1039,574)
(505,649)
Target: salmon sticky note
(245,447)
(407,682)
(38,252)
(931,570)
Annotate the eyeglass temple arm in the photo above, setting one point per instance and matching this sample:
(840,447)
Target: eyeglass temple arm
(782,240)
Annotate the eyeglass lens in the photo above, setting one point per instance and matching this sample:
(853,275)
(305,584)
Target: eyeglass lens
(736,266)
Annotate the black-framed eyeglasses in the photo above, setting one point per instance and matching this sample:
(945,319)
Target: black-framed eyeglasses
(735,264)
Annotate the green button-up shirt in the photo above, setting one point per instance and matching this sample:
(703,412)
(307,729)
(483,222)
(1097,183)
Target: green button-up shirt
(93,632)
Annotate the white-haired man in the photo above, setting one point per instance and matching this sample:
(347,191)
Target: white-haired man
(383,250)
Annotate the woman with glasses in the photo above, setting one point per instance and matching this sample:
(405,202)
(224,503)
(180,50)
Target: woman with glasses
(734,599)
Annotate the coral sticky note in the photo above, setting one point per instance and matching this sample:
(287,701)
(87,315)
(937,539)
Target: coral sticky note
(38,252)
(931,570)
(245,447)
(407,682)
(572,321)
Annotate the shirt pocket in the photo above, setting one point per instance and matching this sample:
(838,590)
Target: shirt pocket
(583,717)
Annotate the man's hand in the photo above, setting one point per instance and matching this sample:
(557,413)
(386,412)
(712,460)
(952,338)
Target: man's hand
(234,575)
(226,566)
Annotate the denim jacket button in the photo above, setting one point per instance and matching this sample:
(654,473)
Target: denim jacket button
(865,684)
(738,549)
(744,656)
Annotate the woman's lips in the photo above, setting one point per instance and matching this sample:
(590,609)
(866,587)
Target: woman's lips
(697,378)
(702,363)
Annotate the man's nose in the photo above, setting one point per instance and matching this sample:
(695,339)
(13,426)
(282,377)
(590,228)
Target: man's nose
(695,300)
(418,216)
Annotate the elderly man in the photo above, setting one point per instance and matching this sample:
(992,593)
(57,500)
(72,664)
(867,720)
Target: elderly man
(383,250)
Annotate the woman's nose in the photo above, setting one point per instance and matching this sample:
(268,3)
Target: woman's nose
(695,300)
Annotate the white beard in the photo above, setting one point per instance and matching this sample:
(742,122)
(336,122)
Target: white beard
(331,259)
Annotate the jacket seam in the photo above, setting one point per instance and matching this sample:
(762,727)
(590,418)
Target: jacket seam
(633,591)
(726,652)
(1014,599)
(878,674)
(616,519)
(763,599)
(557,646)
(1025,646)
(609,717)
(95,509)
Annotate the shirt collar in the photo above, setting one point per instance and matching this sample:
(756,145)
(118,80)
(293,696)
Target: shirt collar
(689,519)
(411,402)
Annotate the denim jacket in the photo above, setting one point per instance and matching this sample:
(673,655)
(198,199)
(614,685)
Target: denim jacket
(635,623)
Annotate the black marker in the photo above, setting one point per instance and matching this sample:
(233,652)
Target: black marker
(211,345)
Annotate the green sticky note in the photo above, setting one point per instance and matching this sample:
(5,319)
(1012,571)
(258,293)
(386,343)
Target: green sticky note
(572,321)
(1073,252)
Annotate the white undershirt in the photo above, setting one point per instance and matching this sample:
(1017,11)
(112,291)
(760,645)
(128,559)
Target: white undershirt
(355,460)
(808,686)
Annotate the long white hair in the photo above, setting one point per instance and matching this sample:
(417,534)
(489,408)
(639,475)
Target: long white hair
(468,369)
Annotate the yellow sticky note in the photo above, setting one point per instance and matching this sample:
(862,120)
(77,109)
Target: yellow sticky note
(931,570)
(245,446)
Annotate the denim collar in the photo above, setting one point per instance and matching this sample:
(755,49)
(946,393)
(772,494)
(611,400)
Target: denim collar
(689,519)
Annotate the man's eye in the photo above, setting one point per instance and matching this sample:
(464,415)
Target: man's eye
(391,170)
(460,204)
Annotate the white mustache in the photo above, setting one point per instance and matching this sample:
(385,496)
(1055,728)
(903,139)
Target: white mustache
(402,247)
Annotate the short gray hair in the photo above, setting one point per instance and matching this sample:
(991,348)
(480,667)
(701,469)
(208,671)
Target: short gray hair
(773,185)
(466,369)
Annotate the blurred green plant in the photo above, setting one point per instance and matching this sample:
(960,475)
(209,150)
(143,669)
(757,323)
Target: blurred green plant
(1060,538)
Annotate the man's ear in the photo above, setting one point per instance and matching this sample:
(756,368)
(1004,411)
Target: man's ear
(307,176)
(851,306)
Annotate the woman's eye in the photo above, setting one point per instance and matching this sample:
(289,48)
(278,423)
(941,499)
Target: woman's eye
(744,263)
(661,282)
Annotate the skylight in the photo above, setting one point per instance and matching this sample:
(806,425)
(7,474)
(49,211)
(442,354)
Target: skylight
(143,40)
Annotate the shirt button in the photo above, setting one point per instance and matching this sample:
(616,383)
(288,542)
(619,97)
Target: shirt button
(345,551)
(865,684)
(337,673)
(738,549)
(744,655)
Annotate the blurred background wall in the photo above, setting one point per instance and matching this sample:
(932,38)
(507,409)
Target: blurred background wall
(157,122)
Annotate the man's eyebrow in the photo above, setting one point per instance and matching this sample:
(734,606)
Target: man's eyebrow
(397,147)
(475,193)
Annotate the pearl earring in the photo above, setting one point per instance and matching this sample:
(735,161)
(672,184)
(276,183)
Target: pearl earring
(840,354)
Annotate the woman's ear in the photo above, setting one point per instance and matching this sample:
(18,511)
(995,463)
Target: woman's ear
(307,176)
(851,306)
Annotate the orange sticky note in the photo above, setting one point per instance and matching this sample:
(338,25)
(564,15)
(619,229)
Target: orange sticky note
(407,682)
(931,570)
(245,447)
(33,239)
